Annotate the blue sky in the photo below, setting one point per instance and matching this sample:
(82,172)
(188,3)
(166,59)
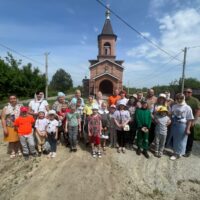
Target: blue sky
(68,29)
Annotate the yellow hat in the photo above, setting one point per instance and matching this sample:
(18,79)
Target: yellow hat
(162,109)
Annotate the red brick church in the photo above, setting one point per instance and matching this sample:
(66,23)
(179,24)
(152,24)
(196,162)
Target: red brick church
(106,73)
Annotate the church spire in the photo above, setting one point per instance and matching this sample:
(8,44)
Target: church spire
(107,28)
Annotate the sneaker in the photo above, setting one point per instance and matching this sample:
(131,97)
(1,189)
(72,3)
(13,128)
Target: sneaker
(145,153)
(188,154)
(156,154)
(34,155)
(49,155)
(160,154)
(123,150)
(174,157)
(19,153)
(75,150)
(26,157)
(118,150)
(99,154)
(104,148)
(94,154)
(12,155)
(138,151)
(53,155)
(71,150)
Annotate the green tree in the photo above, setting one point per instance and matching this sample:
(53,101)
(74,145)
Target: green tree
(190,83)
(20,80)
(61,81)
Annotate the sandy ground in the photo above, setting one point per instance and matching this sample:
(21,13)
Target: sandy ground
(78,176)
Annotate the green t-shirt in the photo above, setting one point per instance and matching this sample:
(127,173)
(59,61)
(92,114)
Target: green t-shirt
(193,103)
(72,119)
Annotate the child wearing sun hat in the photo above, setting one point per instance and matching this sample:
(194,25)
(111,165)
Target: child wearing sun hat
(41,134)
(162,122)
(52,133)
(121,119)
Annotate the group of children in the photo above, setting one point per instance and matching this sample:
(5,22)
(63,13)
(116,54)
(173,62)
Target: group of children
(104,124)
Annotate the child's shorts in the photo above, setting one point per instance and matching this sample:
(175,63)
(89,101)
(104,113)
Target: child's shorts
(95,140)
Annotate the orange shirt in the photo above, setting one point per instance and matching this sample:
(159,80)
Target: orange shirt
(24,124)
(113,100)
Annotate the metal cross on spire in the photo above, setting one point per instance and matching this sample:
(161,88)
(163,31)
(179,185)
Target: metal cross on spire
(108,10)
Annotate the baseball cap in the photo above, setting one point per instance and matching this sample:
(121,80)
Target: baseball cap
(24,109)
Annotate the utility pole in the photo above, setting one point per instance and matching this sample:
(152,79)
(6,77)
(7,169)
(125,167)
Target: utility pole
(46,74)
(183,73)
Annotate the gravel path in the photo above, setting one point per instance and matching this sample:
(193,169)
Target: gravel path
(78,176)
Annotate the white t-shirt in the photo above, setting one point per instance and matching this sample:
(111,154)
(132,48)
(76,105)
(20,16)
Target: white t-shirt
(161,125)
(122,101)
(52,126)
(182,113)
(41,124)
(36,105)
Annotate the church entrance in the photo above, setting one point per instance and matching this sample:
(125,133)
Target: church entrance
(106,87)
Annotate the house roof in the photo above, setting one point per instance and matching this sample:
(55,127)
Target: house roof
(105,73)
(115,63)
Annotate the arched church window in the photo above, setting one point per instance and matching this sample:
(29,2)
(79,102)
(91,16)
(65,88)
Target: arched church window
(107,49)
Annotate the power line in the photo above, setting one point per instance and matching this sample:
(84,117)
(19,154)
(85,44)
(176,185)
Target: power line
(152,74)
(20,54)
(135,30)
(193,47)
(161,74)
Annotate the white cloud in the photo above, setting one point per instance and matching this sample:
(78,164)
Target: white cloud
(157,7)
(83,42)
(146,34)
(178,30)
(138,51)
(136,66)
(181,30)
(85,37)
(70,11)
(96,30)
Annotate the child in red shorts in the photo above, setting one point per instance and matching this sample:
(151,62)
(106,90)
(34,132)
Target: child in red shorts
(62,121)
(94,130)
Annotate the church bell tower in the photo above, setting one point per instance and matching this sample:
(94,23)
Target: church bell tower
(107,40)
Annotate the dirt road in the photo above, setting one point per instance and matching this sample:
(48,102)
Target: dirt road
(78,176)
